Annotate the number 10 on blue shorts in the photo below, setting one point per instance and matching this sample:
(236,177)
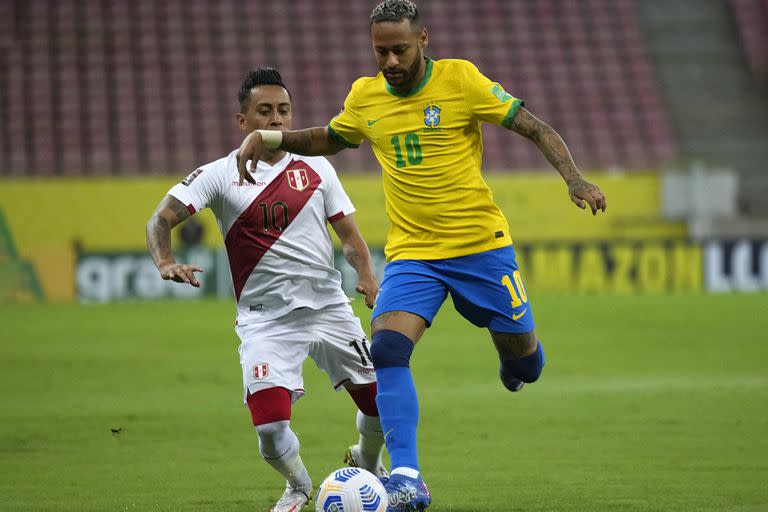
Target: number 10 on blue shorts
(487,289)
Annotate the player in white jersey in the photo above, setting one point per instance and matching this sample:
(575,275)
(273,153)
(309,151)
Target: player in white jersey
(289,298)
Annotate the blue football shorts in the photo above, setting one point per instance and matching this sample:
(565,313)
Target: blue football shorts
(487,289)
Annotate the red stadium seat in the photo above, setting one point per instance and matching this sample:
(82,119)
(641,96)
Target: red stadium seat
(582,66)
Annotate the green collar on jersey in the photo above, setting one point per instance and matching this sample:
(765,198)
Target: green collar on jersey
(419,86)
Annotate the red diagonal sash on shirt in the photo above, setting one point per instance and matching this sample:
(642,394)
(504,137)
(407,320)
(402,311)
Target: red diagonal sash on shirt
(247,241)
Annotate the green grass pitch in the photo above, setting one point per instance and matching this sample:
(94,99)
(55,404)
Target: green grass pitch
(646,404)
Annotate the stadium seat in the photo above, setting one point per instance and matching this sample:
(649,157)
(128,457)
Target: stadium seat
(581,66)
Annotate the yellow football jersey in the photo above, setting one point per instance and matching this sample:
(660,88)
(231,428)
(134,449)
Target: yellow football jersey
(429,144)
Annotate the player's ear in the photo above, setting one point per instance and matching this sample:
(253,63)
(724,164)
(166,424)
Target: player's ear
(240,118)
(423,38)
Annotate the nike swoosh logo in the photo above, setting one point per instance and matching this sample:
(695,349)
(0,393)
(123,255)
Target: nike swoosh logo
(373,122)
(517,316)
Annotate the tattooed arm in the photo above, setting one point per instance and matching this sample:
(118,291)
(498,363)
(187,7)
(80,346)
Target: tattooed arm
(309,142)
(168,214)
(358,256)
(556,152)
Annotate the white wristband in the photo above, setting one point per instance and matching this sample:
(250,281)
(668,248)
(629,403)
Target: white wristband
(272,138)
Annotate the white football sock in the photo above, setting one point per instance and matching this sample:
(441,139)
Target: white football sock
(280,448)
(371,441)
(409,472)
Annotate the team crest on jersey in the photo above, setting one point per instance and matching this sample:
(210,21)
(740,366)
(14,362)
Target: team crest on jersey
(432,116)
(260,371)
(297,179)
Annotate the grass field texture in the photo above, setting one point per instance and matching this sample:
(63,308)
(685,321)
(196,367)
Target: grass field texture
(646,404)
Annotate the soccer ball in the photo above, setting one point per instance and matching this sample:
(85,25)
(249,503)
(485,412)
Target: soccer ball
(351,490)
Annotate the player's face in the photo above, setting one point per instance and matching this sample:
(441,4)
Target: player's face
(269,109)
(399,49)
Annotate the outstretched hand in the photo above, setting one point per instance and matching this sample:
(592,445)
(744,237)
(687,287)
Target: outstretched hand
(251,149)
(369,288)
(582,190)
(181,273)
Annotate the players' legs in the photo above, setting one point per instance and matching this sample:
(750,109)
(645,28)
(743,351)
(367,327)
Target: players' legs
(410,296)
(395,334)
(271,413)
(367,452)
(271,357)
(521,358)
(487,289)
(342,350)
(398,405)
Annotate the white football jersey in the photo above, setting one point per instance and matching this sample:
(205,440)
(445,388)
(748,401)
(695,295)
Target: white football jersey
(275,232)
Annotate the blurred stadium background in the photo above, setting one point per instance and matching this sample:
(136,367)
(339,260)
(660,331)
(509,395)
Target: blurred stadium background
(105,104)
(655,381)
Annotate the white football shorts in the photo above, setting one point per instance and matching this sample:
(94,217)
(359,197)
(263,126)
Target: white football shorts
(272,353)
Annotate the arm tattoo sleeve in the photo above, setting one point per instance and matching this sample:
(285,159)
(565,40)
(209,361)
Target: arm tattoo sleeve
(310,142)
(169,213)
(549,143)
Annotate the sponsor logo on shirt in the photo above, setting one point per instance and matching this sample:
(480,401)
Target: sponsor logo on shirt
(249,184)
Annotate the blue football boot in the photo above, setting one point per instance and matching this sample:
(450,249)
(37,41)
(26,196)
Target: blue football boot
(406,494)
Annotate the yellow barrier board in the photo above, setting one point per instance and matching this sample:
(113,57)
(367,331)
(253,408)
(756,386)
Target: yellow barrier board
(47,218)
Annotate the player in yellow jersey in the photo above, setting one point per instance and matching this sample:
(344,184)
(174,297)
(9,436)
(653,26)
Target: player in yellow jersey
(423,118)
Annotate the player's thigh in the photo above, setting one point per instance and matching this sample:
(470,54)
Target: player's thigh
(271,355)
(488,290)
(410,295)
(340,347)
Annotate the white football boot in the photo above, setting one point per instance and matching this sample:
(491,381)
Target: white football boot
(352,459)
(293,500)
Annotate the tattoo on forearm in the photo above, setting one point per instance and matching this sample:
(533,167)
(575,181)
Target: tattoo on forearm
(297,142)
(159,239)
(352,257)
(160,225)
(310,142)
(556,152)
(549,143)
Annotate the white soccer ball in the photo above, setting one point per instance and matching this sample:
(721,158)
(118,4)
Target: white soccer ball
(351,490)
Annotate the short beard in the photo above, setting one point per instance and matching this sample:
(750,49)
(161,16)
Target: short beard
(413,72)
(410,75)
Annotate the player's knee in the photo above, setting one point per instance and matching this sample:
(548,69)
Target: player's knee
(391,349)
(527,369)
(275,439)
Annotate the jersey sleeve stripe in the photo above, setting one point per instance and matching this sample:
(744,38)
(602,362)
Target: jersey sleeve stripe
(336,217)
(341,140)
(507,122)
